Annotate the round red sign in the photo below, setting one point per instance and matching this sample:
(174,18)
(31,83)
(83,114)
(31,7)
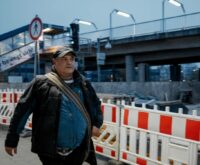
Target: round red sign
(35,28)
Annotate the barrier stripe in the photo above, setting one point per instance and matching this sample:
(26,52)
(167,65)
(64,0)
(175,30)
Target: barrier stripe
(99,149)
(124,155)
(15,98)
(192,130)
(166,124)
(4,98)
(105,151)
(132,158)
(11,97)
(143,120)
(102,108)
(114,114)
(4,121)
(141,161)
(176,129)
(110,113)
(113,153)
(126,114)
(154,126)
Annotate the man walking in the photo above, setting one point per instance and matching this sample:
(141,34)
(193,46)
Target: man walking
(66,113)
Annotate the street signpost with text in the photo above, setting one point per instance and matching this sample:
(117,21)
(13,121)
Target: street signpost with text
(101,58)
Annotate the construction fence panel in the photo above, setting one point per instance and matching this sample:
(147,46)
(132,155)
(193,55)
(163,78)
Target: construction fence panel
(155,137)
(134,135)
(6,113)
(107,143)
(8,101)
(10,95)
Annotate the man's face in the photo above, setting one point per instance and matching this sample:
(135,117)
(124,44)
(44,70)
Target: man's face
(65,65)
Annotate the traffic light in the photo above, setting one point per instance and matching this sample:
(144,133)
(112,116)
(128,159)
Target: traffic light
(75,36)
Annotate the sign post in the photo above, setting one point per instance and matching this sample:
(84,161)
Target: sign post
(35,31)
(101,58)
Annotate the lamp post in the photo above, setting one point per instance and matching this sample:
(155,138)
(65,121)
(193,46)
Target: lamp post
(98,65)
(121,13)
(89,23)
(100,55)
(79,21)
(174,2)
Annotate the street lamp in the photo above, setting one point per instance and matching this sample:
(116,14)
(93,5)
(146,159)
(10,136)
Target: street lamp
(100,55)
(121,13)
(174,2)
(79,21)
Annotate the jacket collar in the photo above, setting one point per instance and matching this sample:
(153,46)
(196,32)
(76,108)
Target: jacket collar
(76,75)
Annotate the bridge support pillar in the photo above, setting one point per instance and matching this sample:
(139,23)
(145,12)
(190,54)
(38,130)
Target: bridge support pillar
(175,72)
(143,72)
(130,68)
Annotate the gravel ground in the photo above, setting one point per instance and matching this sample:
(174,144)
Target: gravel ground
(194,107)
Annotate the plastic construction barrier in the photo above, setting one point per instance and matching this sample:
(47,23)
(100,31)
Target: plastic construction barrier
(154,137)
(10,96)
(6,114)
(107,144)
(29,123)
(136,135)
(8,100)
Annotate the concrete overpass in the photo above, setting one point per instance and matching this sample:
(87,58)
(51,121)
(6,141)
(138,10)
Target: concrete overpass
(177,45)
(171,48)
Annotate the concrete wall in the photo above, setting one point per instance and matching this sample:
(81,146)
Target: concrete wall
(156,89)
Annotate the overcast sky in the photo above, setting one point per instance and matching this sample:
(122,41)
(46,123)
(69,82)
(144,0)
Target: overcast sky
(17,13)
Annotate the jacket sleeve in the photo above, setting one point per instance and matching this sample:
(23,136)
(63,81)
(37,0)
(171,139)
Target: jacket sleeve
(95,106)
(22,111)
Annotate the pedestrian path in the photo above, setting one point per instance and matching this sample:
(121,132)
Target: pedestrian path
(24,155)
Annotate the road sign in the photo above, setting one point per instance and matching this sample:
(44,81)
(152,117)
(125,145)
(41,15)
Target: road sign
(35,28)
(100,62)
(101,56)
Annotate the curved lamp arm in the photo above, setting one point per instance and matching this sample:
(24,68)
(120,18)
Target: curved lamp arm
(79,21)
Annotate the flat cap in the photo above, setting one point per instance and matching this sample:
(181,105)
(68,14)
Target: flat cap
(60,52)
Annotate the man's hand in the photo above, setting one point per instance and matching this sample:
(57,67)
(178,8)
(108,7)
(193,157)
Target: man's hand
(95,131)
(11,151)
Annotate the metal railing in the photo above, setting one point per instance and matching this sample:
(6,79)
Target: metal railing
(177,23)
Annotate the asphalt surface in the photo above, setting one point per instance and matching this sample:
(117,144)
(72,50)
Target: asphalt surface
(24,156)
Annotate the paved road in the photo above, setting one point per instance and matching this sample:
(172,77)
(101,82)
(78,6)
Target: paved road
(24,155)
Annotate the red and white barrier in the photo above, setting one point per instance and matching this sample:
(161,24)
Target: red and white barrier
(107,144)
(29,123)
(10,95)
(5,114)
(135,135)
(156,137)
(111,113)
(8,100)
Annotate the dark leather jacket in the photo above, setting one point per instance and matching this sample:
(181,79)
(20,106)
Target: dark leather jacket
(43,98)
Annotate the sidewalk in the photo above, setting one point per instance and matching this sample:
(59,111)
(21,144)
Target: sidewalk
(24,155)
